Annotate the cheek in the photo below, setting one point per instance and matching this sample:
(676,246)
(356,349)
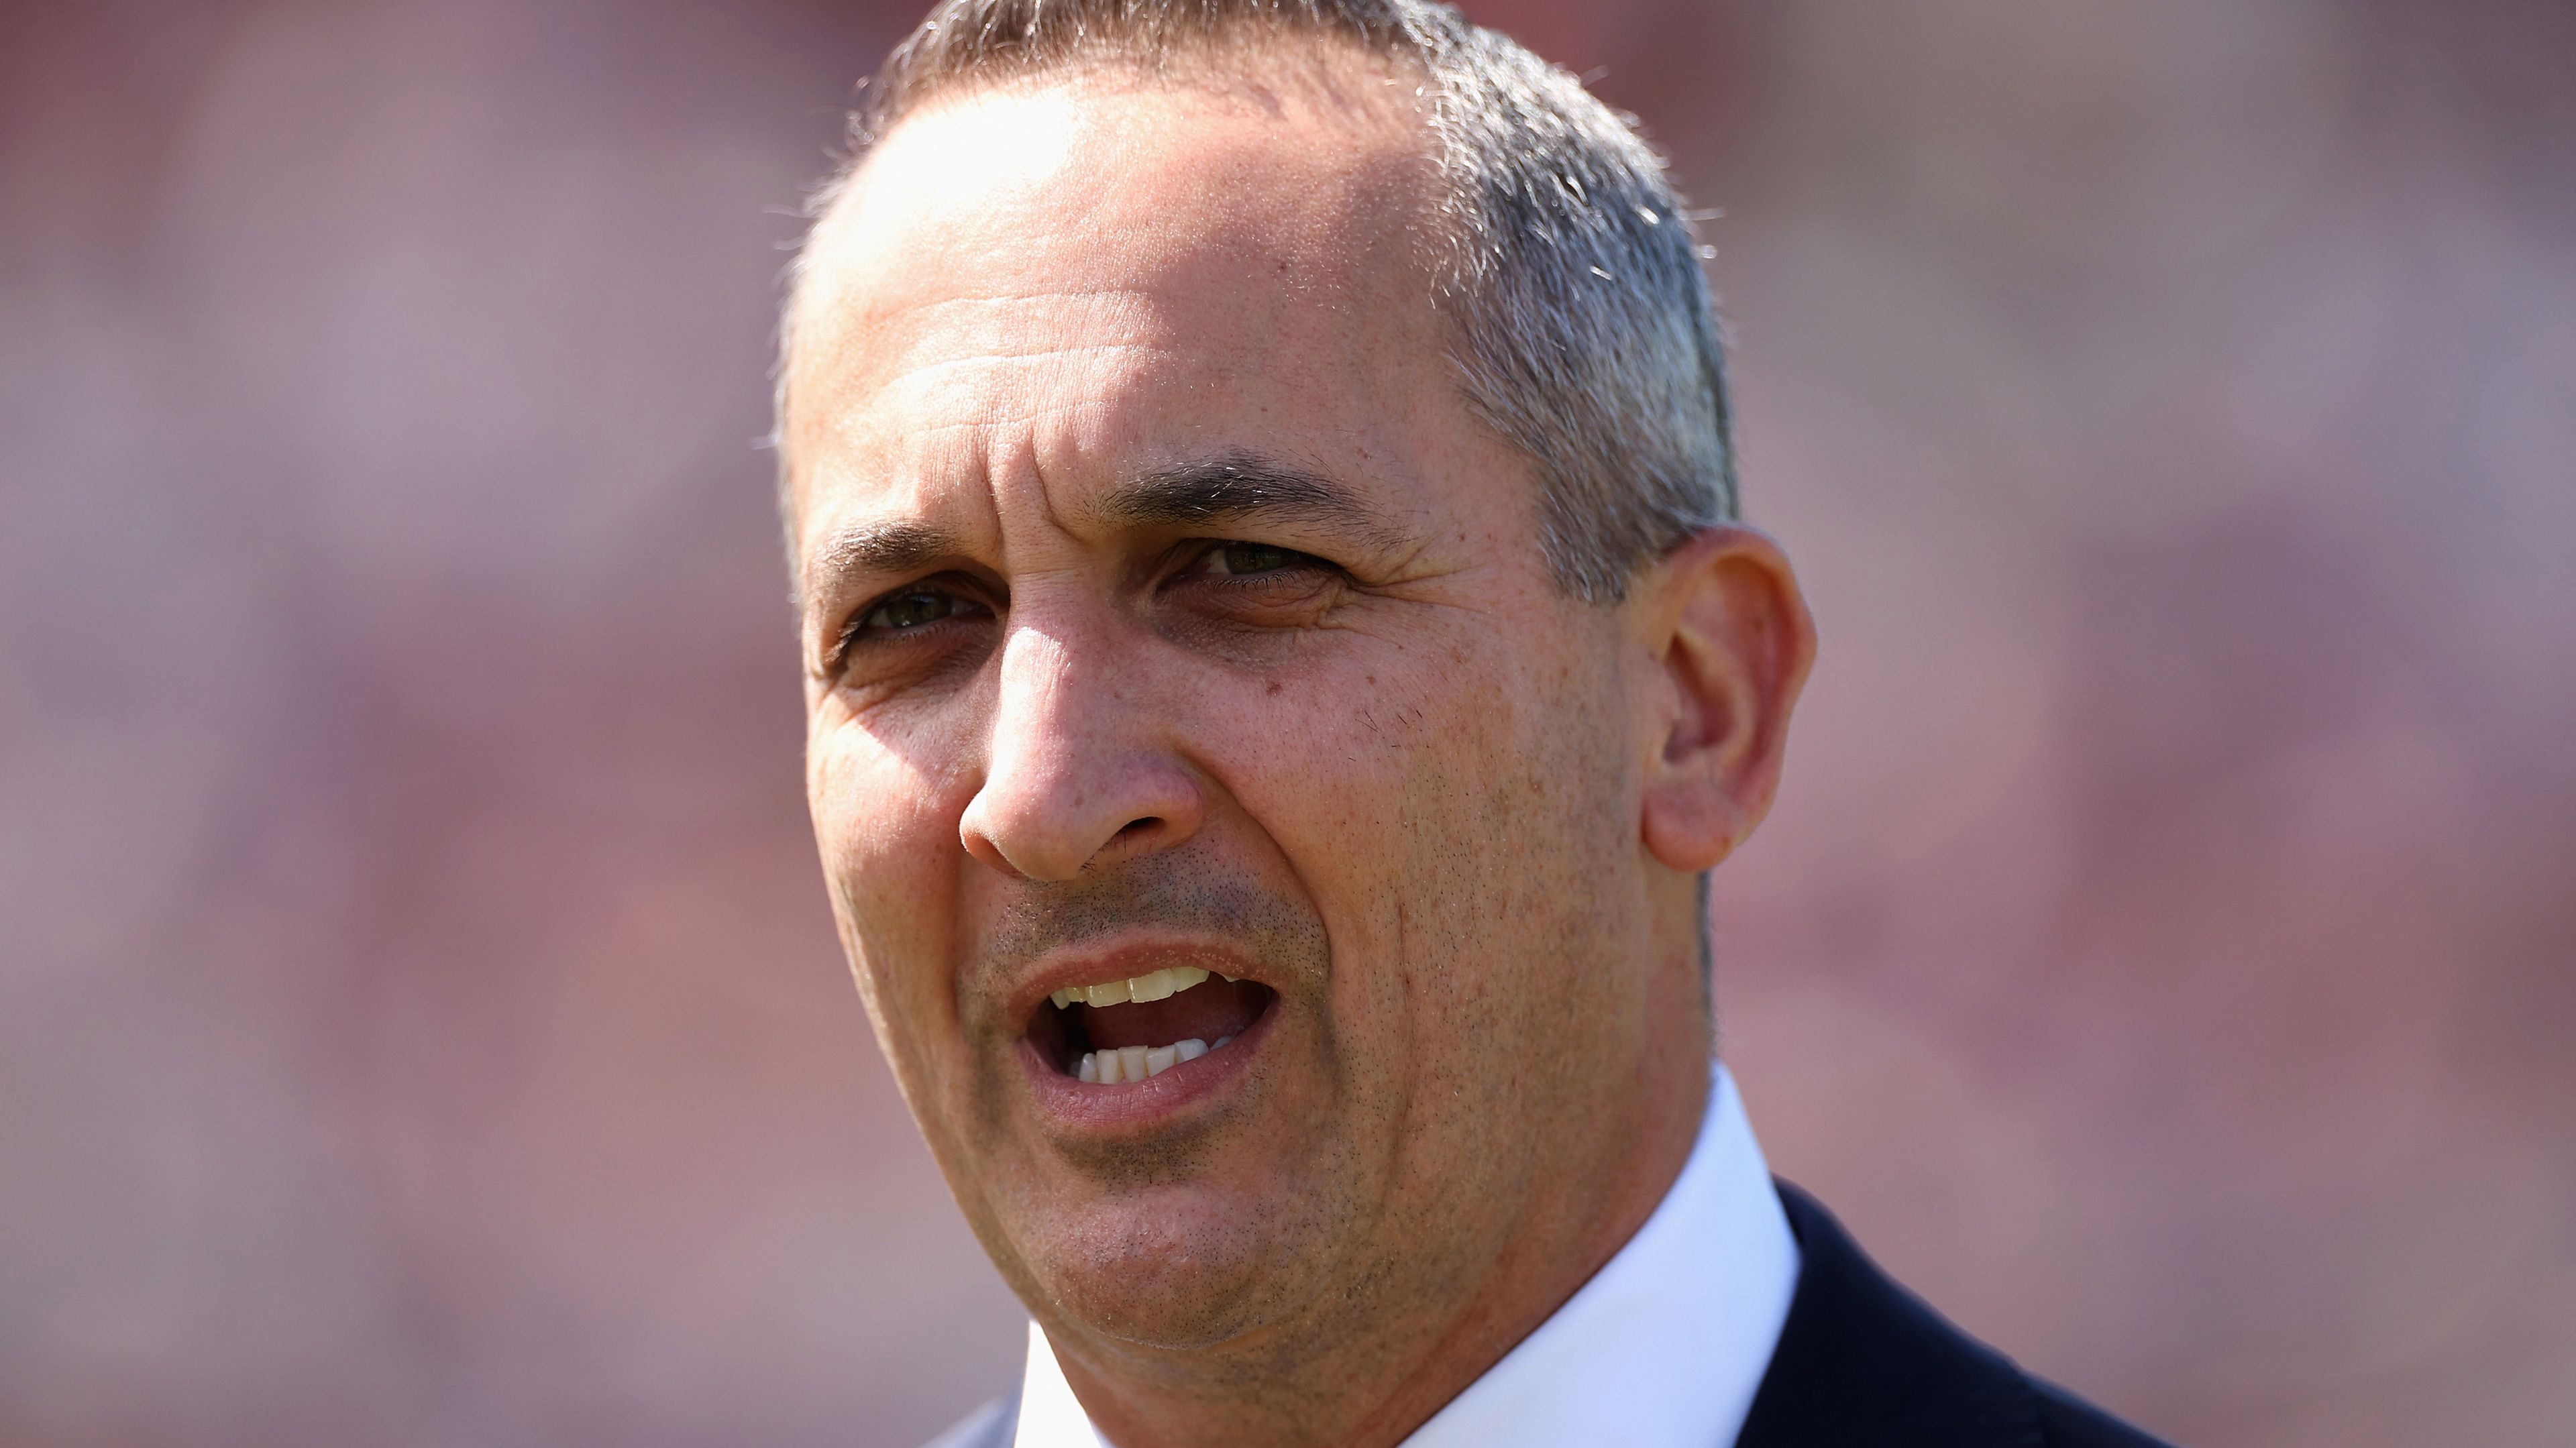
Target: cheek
(887,835)
(1412,793)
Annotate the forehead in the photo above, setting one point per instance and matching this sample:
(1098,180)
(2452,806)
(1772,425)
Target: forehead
(1087,273)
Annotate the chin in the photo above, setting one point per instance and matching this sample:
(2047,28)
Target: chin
(1179,1268)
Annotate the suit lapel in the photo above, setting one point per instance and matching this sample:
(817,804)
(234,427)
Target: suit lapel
(1863,1361)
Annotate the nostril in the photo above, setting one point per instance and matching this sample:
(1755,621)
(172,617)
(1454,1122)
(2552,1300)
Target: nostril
(1051,814)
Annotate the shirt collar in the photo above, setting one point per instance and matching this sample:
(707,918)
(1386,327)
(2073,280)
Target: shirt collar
(1664,1347)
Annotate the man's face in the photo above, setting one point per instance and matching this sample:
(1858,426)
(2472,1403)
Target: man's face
(1166,612)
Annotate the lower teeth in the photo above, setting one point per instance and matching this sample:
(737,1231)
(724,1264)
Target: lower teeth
(1120,1064)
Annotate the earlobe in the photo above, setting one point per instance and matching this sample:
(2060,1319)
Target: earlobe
(1732,642)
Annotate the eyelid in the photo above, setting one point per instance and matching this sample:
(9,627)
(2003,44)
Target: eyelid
(1198,550)
(845,638)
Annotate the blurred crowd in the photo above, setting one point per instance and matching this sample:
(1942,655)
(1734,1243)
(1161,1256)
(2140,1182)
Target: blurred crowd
(420,1021)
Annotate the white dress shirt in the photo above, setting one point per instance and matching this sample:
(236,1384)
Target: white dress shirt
(1663,1348)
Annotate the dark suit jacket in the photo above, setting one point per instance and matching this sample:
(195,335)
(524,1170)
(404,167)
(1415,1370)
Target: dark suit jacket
(1862,1363)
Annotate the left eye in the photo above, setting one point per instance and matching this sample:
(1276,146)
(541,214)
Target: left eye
(916,609)
(1238,559)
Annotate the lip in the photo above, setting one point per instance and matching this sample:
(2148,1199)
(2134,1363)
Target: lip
(1087,1109)
(1081,1108)
(1123,961)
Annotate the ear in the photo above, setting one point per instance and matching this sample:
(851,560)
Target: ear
(1731,641)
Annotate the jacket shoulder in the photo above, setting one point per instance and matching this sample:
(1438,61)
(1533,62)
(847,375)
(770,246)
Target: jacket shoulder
(990,1426)
(1862,1361)
(2067,1421)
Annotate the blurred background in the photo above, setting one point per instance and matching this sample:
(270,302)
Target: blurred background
(420,1022)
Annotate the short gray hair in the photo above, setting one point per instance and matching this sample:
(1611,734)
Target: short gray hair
(1584,331)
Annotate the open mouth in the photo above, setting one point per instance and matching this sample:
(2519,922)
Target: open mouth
(1116,1031)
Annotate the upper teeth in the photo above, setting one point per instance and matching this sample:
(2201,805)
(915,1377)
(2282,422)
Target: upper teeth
(1151,986)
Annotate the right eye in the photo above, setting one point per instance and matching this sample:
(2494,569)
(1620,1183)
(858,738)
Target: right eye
(888,627)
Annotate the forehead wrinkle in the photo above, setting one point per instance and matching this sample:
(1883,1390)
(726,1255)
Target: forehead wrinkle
(955,425)
(1005,325)
(845,388)
(982,383)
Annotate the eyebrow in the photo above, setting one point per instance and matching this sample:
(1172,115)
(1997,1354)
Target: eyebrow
(1238,485)
(882,548)
(1185,495)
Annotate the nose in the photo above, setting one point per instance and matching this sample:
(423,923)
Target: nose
(1079,767)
